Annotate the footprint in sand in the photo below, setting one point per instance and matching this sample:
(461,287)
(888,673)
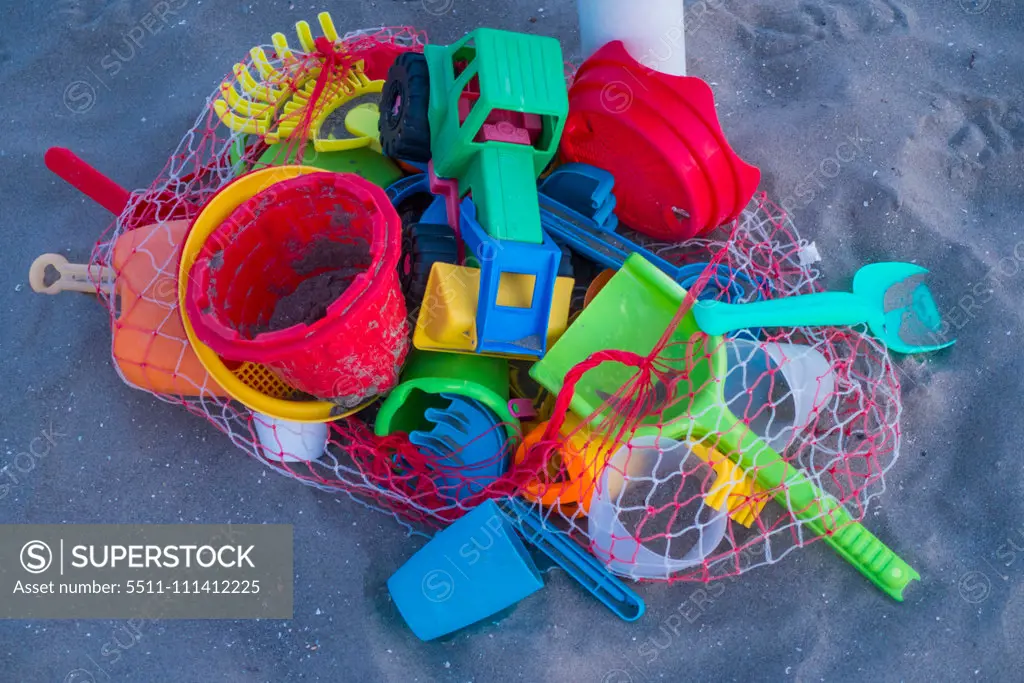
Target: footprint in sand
(772,31)
(79,14)
(954,143)
(991,128)
(1012,618)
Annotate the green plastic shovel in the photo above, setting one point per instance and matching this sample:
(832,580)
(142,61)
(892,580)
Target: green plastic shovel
(890,297)
(632,313)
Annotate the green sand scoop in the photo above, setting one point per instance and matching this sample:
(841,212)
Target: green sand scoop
(890,297)
(631,314)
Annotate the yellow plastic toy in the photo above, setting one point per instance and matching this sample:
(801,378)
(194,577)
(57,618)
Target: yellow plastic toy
(447,319)
(274,107)
(354,86)
(363,122)
(255,109)
(732,487)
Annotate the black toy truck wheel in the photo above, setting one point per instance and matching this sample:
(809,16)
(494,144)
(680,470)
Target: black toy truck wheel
(404,126)
(565,267)
(424,244)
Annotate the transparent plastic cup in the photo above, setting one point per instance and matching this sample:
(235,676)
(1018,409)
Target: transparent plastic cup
(286,441)
(778,387)
(648,518)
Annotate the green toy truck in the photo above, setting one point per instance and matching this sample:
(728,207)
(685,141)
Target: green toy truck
(489,112)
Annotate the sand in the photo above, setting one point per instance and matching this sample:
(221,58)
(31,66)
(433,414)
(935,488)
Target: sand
(890,130)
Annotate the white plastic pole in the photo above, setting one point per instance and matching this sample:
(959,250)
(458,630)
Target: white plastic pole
(652,30)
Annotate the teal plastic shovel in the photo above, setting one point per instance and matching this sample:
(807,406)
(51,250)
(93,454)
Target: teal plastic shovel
(891,298)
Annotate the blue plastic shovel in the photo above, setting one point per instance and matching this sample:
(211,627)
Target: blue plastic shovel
(472,570)
(479,567)
(577,563)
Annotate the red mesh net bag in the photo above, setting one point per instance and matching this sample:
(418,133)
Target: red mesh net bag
(671,455)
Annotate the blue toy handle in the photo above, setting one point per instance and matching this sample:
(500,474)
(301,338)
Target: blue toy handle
(407,187)
(827,309)
(578,563)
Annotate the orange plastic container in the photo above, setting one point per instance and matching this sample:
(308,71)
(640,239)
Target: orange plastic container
(572,471)
(149,341)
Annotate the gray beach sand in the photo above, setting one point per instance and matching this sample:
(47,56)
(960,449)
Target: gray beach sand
(891,130)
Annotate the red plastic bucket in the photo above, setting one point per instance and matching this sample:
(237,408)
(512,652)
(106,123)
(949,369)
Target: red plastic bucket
(303,278)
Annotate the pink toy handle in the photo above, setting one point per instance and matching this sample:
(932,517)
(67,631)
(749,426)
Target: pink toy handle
(86,179)
(449,188)
(522,408)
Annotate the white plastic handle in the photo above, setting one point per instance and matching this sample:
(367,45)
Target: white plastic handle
(74,277)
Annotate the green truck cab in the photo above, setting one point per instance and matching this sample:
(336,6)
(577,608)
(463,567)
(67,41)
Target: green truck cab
(488,111)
